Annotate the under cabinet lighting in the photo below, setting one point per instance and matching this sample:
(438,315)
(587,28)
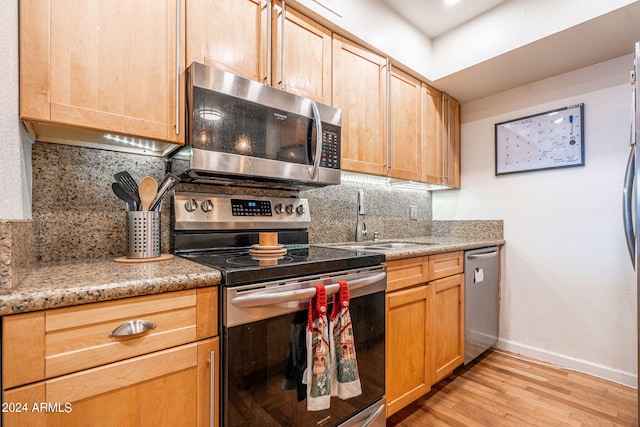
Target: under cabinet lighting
(135,142)
(360,178)
(412,185)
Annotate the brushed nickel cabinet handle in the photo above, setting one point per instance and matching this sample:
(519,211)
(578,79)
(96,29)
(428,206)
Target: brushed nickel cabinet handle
(282,25)
(177,88)
(132,328)
(212,388)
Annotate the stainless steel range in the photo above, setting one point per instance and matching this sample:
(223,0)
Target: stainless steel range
(264,303)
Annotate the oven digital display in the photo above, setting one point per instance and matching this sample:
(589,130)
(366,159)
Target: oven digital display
(250,207)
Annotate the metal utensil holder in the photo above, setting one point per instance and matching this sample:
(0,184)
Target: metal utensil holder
(143,229)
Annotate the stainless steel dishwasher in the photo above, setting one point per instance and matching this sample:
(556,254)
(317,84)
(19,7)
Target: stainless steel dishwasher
(481,301)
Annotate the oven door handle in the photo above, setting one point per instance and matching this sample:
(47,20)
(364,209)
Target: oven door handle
(260,300)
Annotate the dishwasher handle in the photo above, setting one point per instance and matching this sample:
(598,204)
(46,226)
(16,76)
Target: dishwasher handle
(483,255)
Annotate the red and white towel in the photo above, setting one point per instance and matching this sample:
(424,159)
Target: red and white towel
(318,374)
(332,368)
(345,379)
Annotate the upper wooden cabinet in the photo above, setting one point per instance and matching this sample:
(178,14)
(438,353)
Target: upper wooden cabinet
(230,35)
(244,37)
(441,136)
(107,66)
(359,89)
(453,130)
(303,65)
(405,140)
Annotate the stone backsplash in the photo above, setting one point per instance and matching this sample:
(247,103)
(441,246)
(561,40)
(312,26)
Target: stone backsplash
(77,216)
(16,252)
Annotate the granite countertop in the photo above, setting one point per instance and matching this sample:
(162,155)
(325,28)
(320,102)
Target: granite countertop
(432,245)
(62,284)
(68,283)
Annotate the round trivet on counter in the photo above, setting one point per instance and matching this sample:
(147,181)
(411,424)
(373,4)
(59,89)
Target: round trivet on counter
(163,257)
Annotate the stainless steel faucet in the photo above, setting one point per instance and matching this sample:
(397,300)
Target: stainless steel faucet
(361,227)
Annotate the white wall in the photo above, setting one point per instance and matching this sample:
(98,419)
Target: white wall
(378,25)
(510,25)
(15,156)
(568,288)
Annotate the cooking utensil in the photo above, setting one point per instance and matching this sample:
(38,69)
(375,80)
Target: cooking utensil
(147,190)
(169,181)
(129,184)
(124,195)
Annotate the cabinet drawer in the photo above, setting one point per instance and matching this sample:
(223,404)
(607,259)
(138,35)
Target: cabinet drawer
(446,264)
(71,339)
(406,272)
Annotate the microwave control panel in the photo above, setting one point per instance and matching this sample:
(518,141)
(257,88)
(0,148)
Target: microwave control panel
(330,147)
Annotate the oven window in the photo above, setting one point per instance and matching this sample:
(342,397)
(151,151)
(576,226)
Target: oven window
(264,361)
(231,125)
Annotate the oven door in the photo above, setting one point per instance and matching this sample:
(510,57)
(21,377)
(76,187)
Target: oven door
(264,355)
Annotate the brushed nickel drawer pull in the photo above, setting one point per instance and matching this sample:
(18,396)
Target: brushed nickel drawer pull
(132,327)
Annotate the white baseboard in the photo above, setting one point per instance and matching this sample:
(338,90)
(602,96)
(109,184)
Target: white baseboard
(606,372)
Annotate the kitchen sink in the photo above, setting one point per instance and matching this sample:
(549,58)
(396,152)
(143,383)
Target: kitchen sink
(387,246)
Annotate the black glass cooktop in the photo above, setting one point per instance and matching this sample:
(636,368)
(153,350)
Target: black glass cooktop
(240,267)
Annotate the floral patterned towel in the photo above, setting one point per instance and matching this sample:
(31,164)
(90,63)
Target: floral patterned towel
(345,378)
(317,375)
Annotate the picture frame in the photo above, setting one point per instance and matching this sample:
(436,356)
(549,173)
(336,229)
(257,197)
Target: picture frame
(550,140)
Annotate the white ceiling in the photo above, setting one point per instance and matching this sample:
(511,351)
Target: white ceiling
(595,40)
(436,17)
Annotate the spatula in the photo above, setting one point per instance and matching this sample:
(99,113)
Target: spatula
(124,195)
(147,189)
(127,182)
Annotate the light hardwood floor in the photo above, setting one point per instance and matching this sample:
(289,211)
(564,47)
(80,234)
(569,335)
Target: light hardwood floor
(500,389)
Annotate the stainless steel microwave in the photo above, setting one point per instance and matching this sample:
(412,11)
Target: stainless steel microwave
(242,132)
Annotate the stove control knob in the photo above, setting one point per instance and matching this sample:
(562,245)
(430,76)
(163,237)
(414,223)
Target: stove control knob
(207,206)
(289,209)
(279,208)
(300,209)
(191,205)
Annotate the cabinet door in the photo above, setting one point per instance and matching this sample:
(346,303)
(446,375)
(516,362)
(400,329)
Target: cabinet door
(359,89)
(448,325)
(432,121)
(453,166)
(407,341)
(103,65)
(441,129)
(230,35)
(405,143)
(170,387)
(304,67)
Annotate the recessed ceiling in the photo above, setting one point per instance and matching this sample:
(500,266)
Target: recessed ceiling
(436,17)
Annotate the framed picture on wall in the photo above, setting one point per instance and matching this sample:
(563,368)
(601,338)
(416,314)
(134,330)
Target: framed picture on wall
(549,140)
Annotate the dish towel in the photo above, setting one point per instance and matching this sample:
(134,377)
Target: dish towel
(345,378)
(318,371)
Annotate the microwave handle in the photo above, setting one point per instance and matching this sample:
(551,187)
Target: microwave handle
(313,171)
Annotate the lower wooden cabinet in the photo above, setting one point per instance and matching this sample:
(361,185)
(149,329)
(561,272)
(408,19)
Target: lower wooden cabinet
(447,345)
(425,325)
(408,336)
(170,384)
(170,387)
